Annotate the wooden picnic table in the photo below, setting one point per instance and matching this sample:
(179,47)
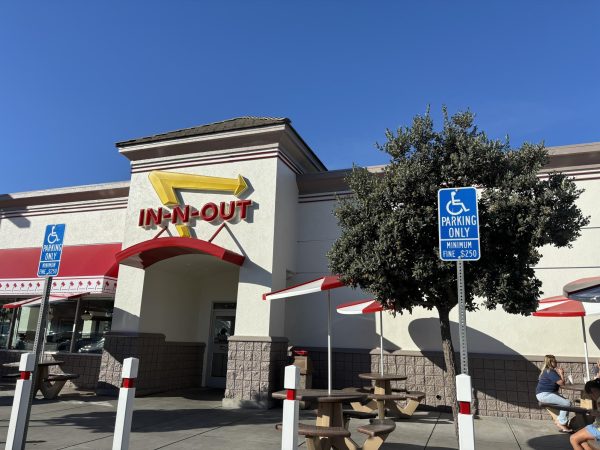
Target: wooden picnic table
(585,400)
(383,400)
(329,409)
(48,387)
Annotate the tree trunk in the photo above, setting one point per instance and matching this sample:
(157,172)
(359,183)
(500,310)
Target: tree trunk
(450,360)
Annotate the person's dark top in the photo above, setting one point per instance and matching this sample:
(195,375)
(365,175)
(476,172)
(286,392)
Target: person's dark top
(547,382)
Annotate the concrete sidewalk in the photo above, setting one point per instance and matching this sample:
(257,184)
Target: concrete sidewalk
(194,419)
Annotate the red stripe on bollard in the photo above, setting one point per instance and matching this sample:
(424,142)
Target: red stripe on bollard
(464,407)
(128,383)
(291,394)
(25,375)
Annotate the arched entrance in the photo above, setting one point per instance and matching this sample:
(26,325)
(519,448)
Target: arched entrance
(189,297)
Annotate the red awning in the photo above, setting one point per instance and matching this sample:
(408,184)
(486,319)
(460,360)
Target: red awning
(560,306)
(366,306)
(320,284)
(146,253)
(83,268)
(35,301)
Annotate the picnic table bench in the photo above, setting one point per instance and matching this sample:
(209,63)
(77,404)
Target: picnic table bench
(382,397)
(49,384)
(12,375)
(581,419)
(382,385)
(322,438)
(331,429)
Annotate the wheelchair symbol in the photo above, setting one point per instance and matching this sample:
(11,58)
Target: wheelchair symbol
(53,236)
(455,206)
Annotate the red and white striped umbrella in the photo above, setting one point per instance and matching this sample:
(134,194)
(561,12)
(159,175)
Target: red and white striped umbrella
(367,306)
(318,285)
(325,283)
(560,306)
(36,301)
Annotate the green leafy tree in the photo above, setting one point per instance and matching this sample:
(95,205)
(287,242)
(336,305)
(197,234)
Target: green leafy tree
(389,240)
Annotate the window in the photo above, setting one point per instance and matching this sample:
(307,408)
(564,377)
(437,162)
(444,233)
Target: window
(86,323)
(5,318)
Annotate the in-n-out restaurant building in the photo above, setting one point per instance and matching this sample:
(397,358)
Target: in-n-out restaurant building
(171,268)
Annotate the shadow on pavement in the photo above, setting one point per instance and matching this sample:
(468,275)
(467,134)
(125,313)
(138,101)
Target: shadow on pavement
(152,413)
(201,394)
(153,420)
(554,441)
(204,394)
(431,420)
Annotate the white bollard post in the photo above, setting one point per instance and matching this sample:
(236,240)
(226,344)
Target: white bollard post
(18,415)
(291,409)
(125,406)
(466,427)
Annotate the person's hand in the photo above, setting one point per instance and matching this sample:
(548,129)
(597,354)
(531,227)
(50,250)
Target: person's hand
(560,371)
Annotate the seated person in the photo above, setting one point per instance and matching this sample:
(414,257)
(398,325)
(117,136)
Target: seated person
(551,378)
(590,432)
(596,369)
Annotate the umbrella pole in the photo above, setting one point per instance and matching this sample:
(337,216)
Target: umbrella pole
(585,349)
(329,342)
(381,341)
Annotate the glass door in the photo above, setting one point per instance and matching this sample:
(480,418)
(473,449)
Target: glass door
(222,326)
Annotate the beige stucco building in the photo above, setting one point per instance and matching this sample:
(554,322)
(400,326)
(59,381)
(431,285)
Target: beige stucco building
(191,308)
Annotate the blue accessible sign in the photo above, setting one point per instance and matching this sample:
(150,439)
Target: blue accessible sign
(458,224)
(51,250)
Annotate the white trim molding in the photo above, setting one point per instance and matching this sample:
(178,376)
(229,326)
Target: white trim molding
(60,285)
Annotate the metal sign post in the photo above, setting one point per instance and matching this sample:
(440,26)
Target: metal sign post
(462,317)
(37,350)
(48,267)
(459,241)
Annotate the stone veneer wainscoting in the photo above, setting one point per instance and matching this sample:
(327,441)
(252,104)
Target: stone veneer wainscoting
(254,370)
(504,386)
(163,365)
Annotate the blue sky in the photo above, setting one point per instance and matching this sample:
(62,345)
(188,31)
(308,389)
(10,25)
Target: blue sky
(78,76)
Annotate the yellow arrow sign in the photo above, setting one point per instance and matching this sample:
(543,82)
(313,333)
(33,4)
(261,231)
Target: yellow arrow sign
(165,183)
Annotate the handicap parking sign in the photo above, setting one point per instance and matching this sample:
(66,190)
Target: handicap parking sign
(51,250)
(458,220)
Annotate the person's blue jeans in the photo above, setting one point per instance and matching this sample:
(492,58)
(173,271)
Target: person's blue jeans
(555,399)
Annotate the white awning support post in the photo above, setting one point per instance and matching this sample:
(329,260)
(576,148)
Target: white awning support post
(466,427)
(585,351)
(125,405)
(329,342)
(18,416)
(381,342)
(291,409)
(72,348)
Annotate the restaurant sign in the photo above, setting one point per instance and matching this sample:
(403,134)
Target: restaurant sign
(181,215)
